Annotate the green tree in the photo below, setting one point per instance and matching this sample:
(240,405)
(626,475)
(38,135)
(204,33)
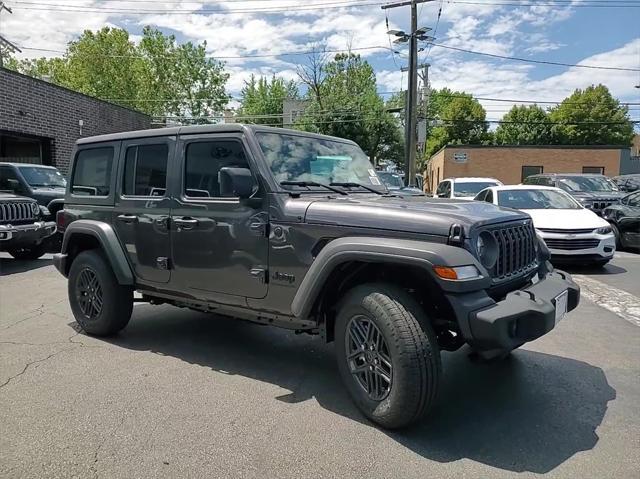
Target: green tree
(343,101)
(262,100)
(459,119)
(158,76)
(524,125)
(592,117)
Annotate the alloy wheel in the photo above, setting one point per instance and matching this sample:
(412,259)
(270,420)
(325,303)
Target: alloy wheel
(89,293)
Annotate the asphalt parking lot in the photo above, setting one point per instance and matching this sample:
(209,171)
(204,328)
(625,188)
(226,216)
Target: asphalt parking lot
(184,394)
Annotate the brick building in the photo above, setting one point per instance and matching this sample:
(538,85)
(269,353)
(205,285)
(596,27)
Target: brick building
(511,164)
(40,122)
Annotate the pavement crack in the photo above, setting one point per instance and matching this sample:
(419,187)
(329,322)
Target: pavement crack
(32,363)
(39,312)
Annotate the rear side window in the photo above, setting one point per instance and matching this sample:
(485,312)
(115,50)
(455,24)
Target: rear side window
(145,170)
(92,172)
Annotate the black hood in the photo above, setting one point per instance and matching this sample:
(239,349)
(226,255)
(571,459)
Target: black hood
(408,214)
(45,195)
(12,197)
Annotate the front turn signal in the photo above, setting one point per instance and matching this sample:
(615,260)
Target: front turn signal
(457,273)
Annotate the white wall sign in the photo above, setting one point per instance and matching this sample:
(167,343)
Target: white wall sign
(460,157)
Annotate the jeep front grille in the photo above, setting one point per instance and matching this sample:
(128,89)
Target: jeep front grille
(16,212)
(517,253)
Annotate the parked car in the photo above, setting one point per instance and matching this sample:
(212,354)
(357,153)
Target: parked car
(464,188)
(23,230)
(570,231)
(294,229)
(592,191)
(45,184)
(627,183)
(625,220)
(395,184)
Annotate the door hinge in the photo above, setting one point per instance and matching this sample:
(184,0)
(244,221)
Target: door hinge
(162,262)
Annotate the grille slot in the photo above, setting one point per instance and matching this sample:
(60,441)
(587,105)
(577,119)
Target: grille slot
(572,244)
(567,231)
(516,250)
(16,212)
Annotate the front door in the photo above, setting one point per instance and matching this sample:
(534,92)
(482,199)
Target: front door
(219,244)
(142,205)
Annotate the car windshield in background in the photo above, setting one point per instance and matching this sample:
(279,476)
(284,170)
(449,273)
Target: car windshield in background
(391,180)
(536,200)
(472,188)
(42,177)
(587,183)
(304,159)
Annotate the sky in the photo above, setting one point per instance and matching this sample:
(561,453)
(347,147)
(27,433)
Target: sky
(603,33)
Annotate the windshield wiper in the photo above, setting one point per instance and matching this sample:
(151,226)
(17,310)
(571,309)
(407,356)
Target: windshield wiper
(349,184)
(312,183)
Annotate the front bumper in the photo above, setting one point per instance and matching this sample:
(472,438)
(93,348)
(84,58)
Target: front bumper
(522,316)
(20,236)
(568,248)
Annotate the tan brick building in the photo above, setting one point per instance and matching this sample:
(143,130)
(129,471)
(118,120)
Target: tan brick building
(511,164)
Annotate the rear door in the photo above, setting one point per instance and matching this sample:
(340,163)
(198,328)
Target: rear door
(219,244)
(142,205)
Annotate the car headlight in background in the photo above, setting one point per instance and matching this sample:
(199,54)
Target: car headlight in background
(487,249)
(605,230)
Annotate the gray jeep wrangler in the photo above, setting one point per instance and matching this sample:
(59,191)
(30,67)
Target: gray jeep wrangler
(296,230)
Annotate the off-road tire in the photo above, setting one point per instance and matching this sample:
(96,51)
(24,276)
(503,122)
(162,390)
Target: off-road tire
(412,348)
(28,253)
(116,302)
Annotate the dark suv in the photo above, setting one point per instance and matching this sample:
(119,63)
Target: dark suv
(24,230)
(296,230)
(593,191)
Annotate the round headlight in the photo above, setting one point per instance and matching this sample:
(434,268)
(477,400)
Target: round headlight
(487,249)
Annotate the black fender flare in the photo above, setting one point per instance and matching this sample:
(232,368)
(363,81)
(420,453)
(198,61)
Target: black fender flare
(54,203)
(423,254)
(109,242)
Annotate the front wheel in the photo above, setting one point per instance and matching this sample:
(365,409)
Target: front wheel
(100,305)
(29,252)
(387,354)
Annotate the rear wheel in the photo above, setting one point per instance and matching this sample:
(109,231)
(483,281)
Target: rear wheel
(100,305)
(29,252)
(387,354)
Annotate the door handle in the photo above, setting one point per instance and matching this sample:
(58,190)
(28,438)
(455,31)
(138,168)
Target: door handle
(128,218)
(186,223)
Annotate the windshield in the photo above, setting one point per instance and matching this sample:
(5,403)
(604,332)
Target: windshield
(536,200)
(297,158)
(587,183)
(38,176)
(391,180)
(471,188)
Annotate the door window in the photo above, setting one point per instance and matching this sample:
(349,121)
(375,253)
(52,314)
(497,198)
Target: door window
(9,181)
(489,197)
(203,161)
(634,199)
(145,170)
(92,172)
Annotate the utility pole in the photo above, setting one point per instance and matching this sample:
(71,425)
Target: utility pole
(426,96)
(412,91)
(4,43)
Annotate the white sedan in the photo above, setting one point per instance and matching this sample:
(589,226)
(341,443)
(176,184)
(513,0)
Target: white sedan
(571,232)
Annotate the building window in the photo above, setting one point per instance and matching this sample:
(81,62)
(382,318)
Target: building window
(598,170)
(145,170)
(92,172)
(530,170)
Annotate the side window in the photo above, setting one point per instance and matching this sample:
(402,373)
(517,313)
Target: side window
(92,172)
(441,188)
(481,196)
(489,197)
(145,170)
(9,181)
(530,170)
(634,199)
(203,161)
(447,189)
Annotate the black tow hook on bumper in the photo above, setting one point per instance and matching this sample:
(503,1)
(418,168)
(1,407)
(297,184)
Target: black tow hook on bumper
(523,315)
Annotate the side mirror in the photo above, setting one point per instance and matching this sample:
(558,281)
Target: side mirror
(236,182)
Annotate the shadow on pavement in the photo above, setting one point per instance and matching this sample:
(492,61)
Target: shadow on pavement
(529,413)
(608,269)
(12,266)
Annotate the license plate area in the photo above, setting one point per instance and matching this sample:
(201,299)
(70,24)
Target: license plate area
(561,305)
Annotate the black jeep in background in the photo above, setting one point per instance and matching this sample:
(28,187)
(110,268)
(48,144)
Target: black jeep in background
(24,230)
(296,230)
